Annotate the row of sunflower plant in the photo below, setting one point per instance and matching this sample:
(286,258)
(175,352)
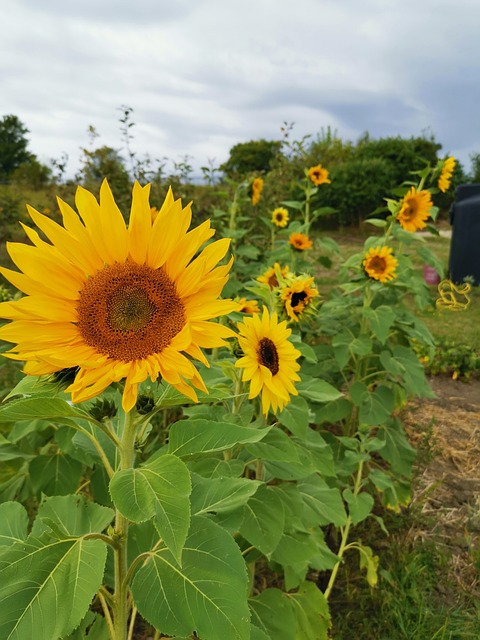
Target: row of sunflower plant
(196,462)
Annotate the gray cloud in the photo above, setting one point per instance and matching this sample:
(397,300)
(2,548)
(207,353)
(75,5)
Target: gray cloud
(204,75)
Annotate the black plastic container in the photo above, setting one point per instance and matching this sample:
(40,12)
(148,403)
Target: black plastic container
(464,259)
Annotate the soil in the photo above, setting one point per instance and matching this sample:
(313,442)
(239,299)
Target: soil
(446,431)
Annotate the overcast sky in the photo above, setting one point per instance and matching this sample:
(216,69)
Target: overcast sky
(203,75)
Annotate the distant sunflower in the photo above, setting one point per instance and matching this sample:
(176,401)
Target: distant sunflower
(270,276)
(257,186)
(248,306)
(296,296)
(380,264)
(117,302)
(280,217)
(318,175)
(300,241)
(415,209)
(446,175)
(269,362)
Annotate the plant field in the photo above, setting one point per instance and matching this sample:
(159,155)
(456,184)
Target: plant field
(224,426)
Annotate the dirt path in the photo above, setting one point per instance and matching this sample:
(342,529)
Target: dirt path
(447,431)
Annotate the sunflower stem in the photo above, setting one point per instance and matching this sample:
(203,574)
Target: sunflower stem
(120,599)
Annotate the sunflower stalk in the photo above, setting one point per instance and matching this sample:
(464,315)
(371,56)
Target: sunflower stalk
(120,598)
(345,531)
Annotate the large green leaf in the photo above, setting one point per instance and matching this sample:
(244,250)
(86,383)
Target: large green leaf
(55,475)
(323,504)
(264,520)
(318,390)
(187,437)
(275,446)
(273,612)
(13,523)
(220,495)
(380,319)
(47,585)
(295,416)
(311,611)
(359,505)
(208,594)
(40,407)
(159,489)
(72,516)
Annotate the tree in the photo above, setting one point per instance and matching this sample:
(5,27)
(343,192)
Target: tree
(13,146)
(251,157)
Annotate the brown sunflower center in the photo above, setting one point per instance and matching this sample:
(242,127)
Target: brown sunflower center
(129,311)
(268,355)
(279,216)
(297,298)
(378,264)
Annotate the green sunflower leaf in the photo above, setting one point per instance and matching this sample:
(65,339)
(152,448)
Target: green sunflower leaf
(159,489)
(208,594)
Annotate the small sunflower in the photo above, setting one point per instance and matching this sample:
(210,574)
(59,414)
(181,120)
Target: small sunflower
(257,186)
(380,264)
(280,217)
(270,276)
(296,296)
(415,209)
(318,175)
(117,302)
(446,175)
(269,362)
(248,306)
(300,241)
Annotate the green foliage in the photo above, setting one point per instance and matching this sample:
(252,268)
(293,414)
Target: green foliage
(13,146)
(255,156)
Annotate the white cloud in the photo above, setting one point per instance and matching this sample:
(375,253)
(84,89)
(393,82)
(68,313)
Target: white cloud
(202,76)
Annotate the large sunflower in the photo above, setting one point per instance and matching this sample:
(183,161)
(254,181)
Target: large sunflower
(415,209)
(269,362)
(380,264)
(318,175)
(300,241)
(446,174)
(280,217)
(270,276)
(117,302)
(296,296)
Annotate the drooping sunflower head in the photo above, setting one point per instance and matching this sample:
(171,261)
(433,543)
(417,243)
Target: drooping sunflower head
(273,274)
(415,209)
(280,217)
(446,174)
(256,190)
(300,241)
(380,264)
(269,360)
(318,175)
(296,297)
(116,301)
(248,306)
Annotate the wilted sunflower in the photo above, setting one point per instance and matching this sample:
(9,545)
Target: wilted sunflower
(296,296)
(248,306)
(270,276)
(300,241)
(380,264)
(446,174)
(116,301)
(257,186)
(269,362)
(280,217)
(318,175)
(415,209)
